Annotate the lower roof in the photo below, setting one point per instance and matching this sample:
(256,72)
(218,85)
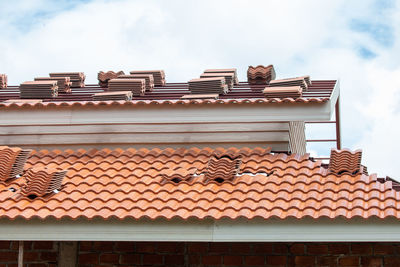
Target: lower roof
(173,183)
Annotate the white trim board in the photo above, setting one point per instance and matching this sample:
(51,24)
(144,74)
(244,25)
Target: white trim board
(208,230)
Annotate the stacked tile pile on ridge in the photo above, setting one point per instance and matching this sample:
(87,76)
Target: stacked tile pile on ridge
(260,74)
(63,83)
(303,82)
(208,86)
(229,77)
(148,78)
(206,96)
(222,167)
(38,89)
(345,161)
(104,77)
(283,92)
(77,78)
(12,161)
(42,181)
(158,75)
(136,86)
(3,81)
(233,71)
(121,95)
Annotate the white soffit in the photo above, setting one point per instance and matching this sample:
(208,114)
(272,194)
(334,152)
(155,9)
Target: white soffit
(241,230)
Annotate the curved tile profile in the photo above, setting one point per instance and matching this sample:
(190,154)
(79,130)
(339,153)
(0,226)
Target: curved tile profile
(345,160)
(260,74)
(104,77)
(42,181)
(138,183)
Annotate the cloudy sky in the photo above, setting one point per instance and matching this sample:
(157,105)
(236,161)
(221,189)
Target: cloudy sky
(357,42)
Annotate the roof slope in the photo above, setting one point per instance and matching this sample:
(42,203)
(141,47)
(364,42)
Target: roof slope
(141,183)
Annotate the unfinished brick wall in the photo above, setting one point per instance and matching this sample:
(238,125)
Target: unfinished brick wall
(91,254)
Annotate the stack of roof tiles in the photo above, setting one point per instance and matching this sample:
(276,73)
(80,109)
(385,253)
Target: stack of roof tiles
(229,77)
(63,83)
(38,89)
(12,161)
(136,86)
(303,82)
(77,78)
(222,167)
(104,77)
(233,71)
(121,95)
(208,86)
(260,74)
(3,81)
(129,184)
(158,75)
(42,181)
(148,78)
(283,92)
(345,160)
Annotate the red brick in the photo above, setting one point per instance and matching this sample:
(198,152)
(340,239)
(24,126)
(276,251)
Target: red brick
(194,259)
(327,261)
(109,258)
(254,260)
(171,247)
(130,259)
(125,246)
(220,248)
(383,249)
(198,247)
(31,256)
(240,248)
(145,247)
(233,260)
(85,246)
(5,244)
(276,260)
(48,256)
(297,248)
(8,256)
(280,248)
(89,258)
(43,245)
(349,261)
(361,248)
(317,249)
(369,261)
(174,260)
(339,248)
(152,259)
(211,260)
(263,248)
(392,261)
(304,260)
(103,246)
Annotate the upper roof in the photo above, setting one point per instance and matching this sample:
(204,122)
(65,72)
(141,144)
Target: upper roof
(172,183)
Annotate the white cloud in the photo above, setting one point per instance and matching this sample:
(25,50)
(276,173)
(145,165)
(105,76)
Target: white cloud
(184,37)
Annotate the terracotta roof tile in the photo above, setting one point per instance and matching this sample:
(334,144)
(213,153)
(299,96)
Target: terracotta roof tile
(137,184)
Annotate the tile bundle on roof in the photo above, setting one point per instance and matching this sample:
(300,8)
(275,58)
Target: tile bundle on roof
(63,83)
(283,92)
(222,168)
(77,78)
(136,86)
(345,161)
(3,81)
(12,161)
(104,77)
(229,77)
(38,89)
(198,96)
(158,75)
(23,101)
(121,95)
(298,81)
(42,181)
(260,74)
(233,71)
(208,86)
(148,77)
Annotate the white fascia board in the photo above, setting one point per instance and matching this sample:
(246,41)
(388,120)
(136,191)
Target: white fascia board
(208,230)
(334,96)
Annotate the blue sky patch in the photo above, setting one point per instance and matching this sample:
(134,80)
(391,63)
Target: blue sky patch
(381,33)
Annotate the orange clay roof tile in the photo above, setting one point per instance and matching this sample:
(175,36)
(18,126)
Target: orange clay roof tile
(132,183)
